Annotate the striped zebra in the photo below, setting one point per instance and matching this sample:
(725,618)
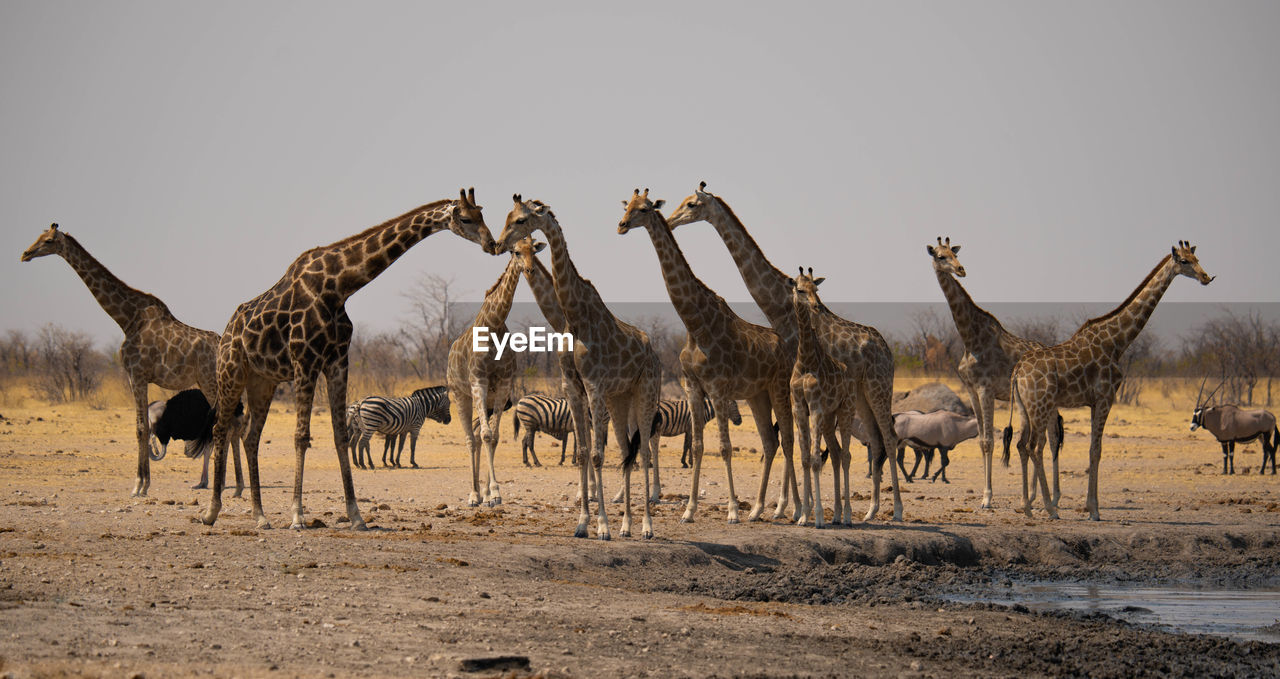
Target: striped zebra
(674,420)
(396,418)
(546,414)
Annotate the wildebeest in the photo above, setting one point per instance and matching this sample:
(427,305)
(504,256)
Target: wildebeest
(924,432)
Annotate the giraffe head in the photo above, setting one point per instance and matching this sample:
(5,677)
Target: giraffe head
(525,249)
(944,257)
(466,220)
(695,208)
(641,212)
(525,217)
(1186,263)
(51,242)
(804,289)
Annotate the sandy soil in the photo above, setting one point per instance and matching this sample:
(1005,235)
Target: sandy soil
(94,583)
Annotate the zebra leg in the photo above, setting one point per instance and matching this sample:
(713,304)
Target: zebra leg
(413,449)
(533,454)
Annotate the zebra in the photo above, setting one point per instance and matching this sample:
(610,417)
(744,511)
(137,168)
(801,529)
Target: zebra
(546,414)
(673,420)
(396,418)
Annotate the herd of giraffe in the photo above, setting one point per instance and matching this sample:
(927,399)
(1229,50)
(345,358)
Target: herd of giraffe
(809,368)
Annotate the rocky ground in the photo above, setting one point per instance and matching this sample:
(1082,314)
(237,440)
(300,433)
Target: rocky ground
(94,583)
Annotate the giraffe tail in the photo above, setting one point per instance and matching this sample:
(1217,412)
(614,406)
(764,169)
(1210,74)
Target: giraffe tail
(633,451)
(1008,431)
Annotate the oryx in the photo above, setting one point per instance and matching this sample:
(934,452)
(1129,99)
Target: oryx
(1232,424)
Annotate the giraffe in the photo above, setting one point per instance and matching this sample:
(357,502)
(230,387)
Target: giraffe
(820,389)
(987,363)
(299,329)
(544,293)
(861,348)
(480,382)
(157,349)
(1085,371)
(619,368)
(723,356)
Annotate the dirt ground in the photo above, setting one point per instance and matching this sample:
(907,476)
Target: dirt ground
(95,583)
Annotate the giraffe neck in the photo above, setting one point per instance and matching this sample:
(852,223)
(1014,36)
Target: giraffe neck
(809,353)
(768,286)
(1115,331)
(698,306)
(120,301)
(973,323)
(497,301)
(584,311)
(355,261)
(544,292)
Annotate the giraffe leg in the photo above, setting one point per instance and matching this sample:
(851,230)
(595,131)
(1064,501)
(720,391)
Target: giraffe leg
(304,393)
(780,397)
(138,385)
(466,409)
(645,408)
(237,435)
(761,413)
(490,438)
(819,423)
(1098,422)
(694,395)
(259,394)
(592,464)
(652,441)
(986,416)
(845,508)
(1057,438)
(837,457)
(878,396)
(1024,455)
(335,378)
(800,415)
(621,417)
(875,451)
(726,452)
(1037,460)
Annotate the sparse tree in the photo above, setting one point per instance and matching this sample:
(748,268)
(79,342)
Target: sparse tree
(433,324)
(69,367)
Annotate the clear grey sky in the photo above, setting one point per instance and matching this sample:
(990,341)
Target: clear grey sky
(197,148)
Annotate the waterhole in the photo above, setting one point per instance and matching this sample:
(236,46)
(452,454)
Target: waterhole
(1244,615)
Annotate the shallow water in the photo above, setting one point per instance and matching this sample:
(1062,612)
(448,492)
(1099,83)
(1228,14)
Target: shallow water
(1243,615)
